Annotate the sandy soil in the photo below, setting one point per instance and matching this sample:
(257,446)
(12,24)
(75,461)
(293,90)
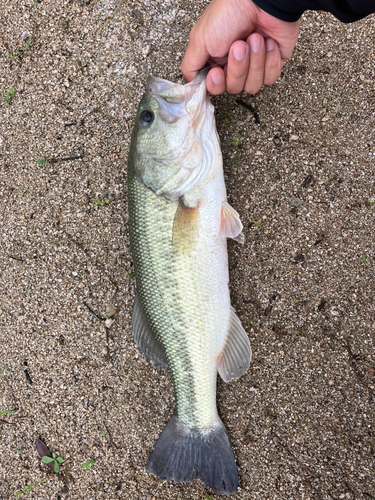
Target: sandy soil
(301,420)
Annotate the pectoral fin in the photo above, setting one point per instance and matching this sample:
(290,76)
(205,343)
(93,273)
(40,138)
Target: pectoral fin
(145,339)
(235,358)
(231,226)
(185,228)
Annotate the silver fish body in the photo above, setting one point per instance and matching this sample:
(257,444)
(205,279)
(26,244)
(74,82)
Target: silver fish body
(179,222)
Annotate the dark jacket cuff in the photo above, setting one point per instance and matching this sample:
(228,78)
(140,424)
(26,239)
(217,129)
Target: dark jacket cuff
(347,11)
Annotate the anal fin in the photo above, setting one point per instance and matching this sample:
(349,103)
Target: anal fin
(235,357)
(231,226)
(145,338)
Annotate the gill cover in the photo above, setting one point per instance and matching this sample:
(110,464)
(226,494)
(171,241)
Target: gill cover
(177,151)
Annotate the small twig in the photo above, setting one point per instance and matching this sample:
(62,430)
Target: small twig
(15,258)
(110,437)
(28,378)
(304,466)
(6,422)
(87,253)
(354,367)
(2,39)
(56,160)
(250,108)
(94,313)
(33,29)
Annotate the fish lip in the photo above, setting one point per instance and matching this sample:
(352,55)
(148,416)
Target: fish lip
(174,92)
(169,91)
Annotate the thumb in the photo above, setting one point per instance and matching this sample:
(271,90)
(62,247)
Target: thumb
(195,57)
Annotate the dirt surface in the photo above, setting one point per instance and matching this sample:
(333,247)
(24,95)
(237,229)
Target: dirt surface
(301,421)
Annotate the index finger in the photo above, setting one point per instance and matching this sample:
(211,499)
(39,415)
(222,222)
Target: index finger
(195,57)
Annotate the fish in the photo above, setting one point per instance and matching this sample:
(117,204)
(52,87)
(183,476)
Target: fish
(180,220)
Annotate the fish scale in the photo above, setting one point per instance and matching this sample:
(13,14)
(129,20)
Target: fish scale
(158,286)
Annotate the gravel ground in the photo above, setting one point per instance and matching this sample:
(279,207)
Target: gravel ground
(301,420)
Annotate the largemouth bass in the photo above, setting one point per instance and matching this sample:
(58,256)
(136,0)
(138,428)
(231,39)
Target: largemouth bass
(182,316)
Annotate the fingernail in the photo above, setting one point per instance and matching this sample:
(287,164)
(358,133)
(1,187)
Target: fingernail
(270,44)
(255,43)
(217,78)
(239,52)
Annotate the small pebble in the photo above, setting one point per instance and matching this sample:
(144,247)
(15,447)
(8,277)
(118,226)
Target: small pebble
(296,203)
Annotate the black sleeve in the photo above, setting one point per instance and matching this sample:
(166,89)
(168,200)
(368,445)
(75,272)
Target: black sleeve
(346,11)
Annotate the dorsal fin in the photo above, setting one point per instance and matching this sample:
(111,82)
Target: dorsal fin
(235,357)
(231,226)
(145,339)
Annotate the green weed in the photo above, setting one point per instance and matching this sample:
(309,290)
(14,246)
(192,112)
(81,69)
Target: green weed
(363,259)
(57,461)
(29,487)
(43,162)
(257,224)
(5,368)
(236,141)
(8,96)
(7,412)
(19,447)
(103,203)
(18,56)
(88,464)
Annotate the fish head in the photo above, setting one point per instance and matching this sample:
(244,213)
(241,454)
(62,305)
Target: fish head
(174,139)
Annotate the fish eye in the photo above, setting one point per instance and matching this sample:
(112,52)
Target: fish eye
(147,117)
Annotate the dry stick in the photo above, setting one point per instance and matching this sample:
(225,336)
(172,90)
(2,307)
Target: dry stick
(3,41)
(111,442)
(6,422)
(70,158)
(354,367)
(93,312)
(33,30)
(15,258)
(250,108)
(85,251)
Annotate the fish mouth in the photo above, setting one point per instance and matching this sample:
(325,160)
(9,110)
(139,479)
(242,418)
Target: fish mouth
(169,91)
(176,93)
(190,105)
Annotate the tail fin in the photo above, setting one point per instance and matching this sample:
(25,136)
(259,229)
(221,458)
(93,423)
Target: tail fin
(181,454)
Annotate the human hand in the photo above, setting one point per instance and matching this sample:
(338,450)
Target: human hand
(249,46)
